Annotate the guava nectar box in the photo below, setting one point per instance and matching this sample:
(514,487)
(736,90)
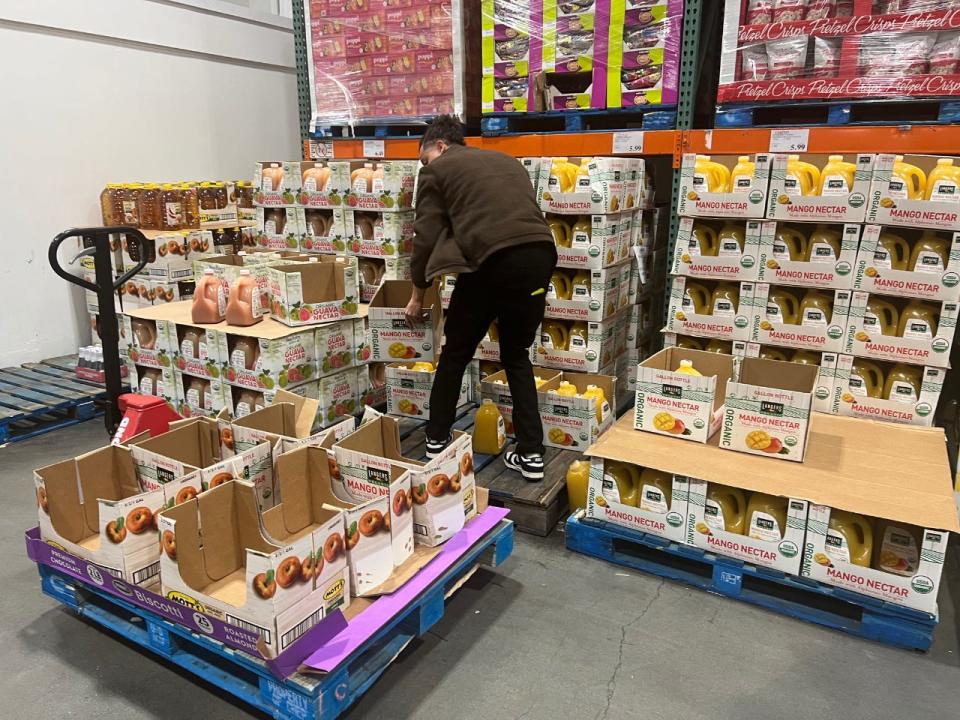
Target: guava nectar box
(826,558)
(234,573)
(150,341)
(686,406)
(904,404)
(575,423)
(929,280)
(390,187)
(835,200)
(814,329)
(443,489)
(890,201)
(323,184)
(766,544)
(267,355)
(408,390)
(920,344)
(315,292)
(657,513)
(280,228)
(824,269)
(767,410)
(730,263)
(276,183)
(601,189)
(747,199)
(391,338)
(726,322)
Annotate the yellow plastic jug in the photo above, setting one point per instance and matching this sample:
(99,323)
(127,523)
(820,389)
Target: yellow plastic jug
(689,343)
(766,517)
(566,389)
(621,482)
(772,353)
(898,548)
(816,308)
(789,244)
(892,253)
(907,182)
(837,176)
(559,287)
(563,175)
(422,366)
(849,538)
(726,508)
(725,300)
(581,233)
(904,383)
(719,346)
(656,491)
(703,240)
(596,393)
(554,335)
(881,315)
(696,299)
(802,178)
(489,432)
(918,320)
(943,185)
(578,336)
(578,477)
(866,379)
(687,368)
(930,254)
(580,285)
(561,232)
(783,308)
(741,179)
(730,239)
(710,176)
(824,245)
(805,357)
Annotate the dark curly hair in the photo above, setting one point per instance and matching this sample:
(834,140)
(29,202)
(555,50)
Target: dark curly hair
(443,127)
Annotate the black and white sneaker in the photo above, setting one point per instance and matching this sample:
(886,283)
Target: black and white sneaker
(530,466)
(435,447)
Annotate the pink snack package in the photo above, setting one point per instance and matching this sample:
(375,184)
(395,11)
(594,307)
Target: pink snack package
(789,10)
(895,54)
(821,9)
(759,12)
(787,59)
(945,54)
(826,57)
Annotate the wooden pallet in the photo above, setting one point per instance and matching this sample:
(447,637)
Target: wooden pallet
(818,112)
(653,117)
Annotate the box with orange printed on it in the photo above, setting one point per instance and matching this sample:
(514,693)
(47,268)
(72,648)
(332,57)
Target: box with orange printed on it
(820,188)
(806,318)
(723,186)
(390,336)
(708,308)
(918,191)
(822,255)
(718,251)
(922,264)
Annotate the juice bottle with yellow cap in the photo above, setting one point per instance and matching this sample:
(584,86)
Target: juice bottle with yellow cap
(566,389)
(554,335)
(837,176)
(580,285)
(930,253)
(730,239)
(766,517)
(824,245)
(723,347)
(689,343)
(805,357)
(709,176)
(686,368)
(578,337)
(696,299)
(595,392)
(703,240)
(881,316)
(772,353)
(656,491)
(741,179)
(907,182)
(489,430)
(725,509)
(789,243)
(943,184)
(892,252)
(561,231)
(866,379)
(898,548)
(621,482)
(816,308)
(581,233)
(918,321)
(849,538)
(725,300)
(578,477)
(782,307)
(559,286)
(904,383)
(801,177)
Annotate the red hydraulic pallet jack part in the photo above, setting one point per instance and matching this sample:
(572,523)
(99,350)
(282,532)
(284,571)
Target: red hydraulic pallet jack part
(143,413)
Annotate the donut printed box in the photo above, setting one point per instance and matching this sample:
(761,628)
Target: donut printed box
(184,449)
(289,416)
(254,465)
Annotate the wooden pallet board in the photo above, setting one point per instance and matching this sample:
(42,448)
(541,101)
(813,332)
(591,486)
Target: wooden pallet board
(56,387)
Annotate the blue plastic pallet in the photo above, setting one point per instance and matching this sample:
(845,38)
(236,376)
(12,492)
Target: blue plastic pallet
(305,697)
(653,117)
(789,595)
(816,112)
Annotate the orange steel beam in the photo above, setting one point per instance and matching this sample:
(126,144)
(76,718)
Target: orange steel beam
(916,139)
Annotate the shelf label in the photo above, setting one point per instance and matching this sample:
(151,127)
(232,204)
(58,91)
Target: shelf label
(373,148)
(628,143)
(789,141)
(321,150)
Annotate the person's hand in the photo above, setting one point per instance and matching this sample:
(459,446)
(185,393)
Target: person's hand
(413,313)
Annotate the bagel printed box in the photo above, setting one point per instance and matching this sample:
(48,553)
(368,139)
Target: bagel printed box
(390,338)
(911,398)
(494,387)
(747,200)
(733,261)
(594,300)
(323,184)
(167,255)
(237,575)
(182,450)
(325,231)
(379,234)
(94,507)
(902,199)
(800,319)
(767,410)
(832,199)
(253,465)
(443,489)
(288,417)
(408,390)
(583,185)
(575,423)
(726,319)
(276,183)
(934,276)
(314,292)
(389,187)
(920,332)
(686,406)
(832,253)
(763,541)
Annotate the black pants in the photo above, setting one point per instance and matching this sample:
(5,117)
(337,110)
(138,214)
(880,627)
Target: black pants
(500,290)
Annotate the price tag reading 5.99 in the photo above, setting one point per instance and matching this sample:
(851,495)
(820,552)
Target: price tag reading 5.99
(789,141)
(628,143)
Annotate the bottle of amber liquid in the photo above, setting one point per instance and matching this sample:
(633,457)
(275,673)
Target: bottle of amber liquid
(111,209)
(149,207)
(190,202)
(170,198)
(129,195)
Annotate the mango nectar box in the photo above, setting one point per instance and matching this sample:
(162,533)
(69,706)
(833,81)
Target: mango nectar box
(817,332)
(677,404)
(748,200)
(570,422)
(850,398)
(315,292)
(731,262)
(602,190)
(732,324)
(824,269)
(600,350)
(767,544)
(767,410)
(656,514)
(390,338)
(927,280)
(494,387)
(600,300)
(826,559)
(605,246)
(890,203)
(838,203)
(408,390)
(826,374)
(864,337)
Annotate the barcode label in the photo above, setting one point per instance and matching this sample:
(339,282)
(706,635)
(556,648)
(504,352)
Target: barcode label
(419,529)
(255,629)
(291,635)
(146,573)
(113,573)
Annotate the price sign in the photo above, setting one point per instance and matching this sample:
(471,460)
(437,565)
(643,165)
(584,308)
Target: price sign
(628,143)
(321,150)
(789,141)
(373,148)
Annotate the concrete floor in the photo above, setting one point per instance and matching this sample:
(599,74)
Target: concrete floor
(551,635)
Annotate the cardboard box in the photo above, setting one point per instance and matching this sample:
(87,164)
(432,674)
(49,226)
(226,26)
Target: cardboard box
(341,345)
(572,423)
(93,507)
(681,405)
(599,300)
(786,201)
(604,247)
(493,386)
(227,269)
(314,292)
(323,184)
(380,269)
(603,189)
(725,322)
(392,192)
(904,405)
(865,338)
(391,338)
(164,291)
(875,274)
(284,423)
(890,203)
(817,333)
(276,183)
(379,234)
(767,410)
(267,355)
(186,448)
(603,344)
(280,228)
(325,231)
(197,350)
(167,253)
(731,263)
(408,390)
(150,339)
(155,382)
(826,367)
(443,489)
(196,396)
(747,200)
(831,271)
(372,384)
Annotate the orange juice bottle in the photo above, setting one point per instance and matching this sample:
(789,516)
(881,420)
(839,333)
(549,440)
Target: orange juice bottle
(907,182)
(898,548)
(489,432)
(805,357)
(930,254)
(918,321)
(243,305)
(696,299)
(581,232)
(725,300)
(824,245)
(580,285)
(892,253)
(596,393)
(208,304)
(772,353)
(881,315)
(578,337)
(554,335)
(904,383)
(816,308)
(782,307)
(741,179)
(725,509)
(566,389)
(766,517)
(943,185)
(578,477)
(801,177)
(689,343)
(723,347)
(837,176)
(866,379)
(703,240)
(849,538)
(621,482)
(656,491)
(559,287)
(730,239)
(560,230)
(789,244)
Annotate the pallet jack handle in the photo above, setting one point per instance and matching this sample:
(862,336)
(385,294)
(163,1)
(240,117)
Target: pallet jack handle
(96,242)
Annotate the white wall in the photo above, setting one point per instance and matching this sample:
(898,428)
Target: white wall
(121,91)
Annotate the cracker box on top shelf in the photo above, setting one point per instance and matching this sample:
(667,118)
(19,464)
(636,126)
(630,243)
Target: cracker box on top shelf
(723,186)
(276,183)
(315,292)
(707,308)
(584,185)
(386,185)
(806,318)
(719,251)
(915,191)
(409,387)
(167,253)
(820,188)
(909,263)
(391,339)
(878,390)
(323,184)
(822,255)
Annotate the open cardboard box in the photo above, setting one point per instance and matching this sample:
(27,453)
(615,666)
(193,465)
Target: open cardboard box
(408,390)
(276,183)
(572,423)
(93,507)
(443,489)
(603,189)
(748,200)
(786,201)
(391,338)
(314,292)
(876,274)
(890,203)
(288,417)
(227,269)
(825,269)
(494,387)
(731,323)
(731,261)
(851,397)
